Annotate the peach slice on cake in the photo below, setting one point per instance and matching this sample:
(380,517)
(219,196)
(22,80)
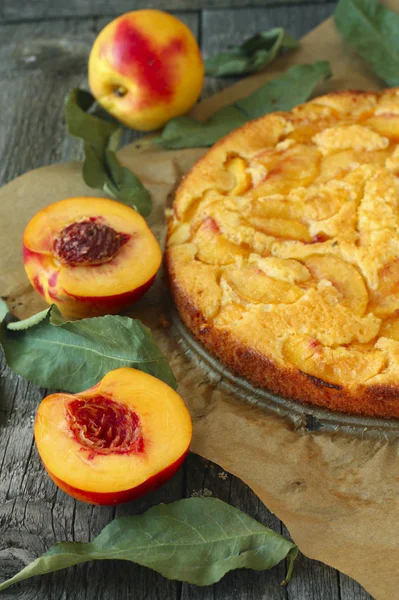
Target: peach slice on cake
(242,179)
(344,277)
(276,206)
(390,328)
(118,440)
(213,247)
(298,165)
(90,256)
(253,285)
(332,364)
(289,229)
(386,124)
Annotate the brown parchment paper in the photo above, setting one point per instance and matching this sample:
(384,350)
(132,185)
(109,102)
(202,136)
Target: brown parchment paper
(337,495)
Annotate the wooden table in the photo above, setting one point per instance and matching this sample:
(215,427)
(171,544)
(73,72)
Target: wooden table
(43,53)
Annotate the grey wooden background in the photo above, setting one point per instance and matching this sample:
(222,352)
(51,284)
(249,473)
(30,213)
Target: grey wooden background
(44,47)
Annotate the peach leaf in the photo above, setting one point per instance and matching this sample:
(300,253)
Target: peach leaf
(101,168)
(75,355)
(197,540)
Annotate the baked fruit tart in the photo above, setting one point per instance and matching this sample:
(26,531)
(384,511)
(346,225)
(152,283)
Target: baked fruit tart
(283,252)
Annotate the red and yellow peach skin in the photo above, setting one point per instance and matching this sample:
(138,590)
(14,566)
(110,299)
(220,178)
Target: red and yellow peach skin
(145,68)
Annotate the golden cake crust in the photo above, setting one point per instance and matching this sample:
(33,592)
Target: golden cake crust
(283,252)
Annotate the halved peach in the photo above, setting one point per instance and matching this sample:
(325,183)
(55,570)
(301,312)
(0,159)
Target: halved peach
(118,440)
(90,256)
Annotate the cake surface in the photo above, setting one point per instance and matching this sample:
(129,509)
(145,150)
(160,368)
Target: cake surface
(283,252)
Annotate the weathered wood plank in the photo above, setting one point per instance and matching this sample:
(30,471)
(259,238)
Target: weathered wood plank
(312,580)
(222,29)
(351,589)
(40,63)
(11,10)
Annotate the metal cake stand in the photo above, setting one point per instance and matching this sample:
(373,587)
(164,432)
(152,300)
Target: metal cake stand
(302,416)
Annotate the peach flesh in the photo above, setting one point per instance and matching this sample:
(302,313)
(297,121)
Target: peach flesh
(108,499)
(122,438)
(112,304)
(90,265)
(88,306)
(80,307)
(105,426)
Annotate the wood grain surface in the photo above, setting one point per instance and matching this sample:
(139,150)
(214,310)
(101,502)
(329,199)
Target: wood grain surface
(15,10)
(43,55)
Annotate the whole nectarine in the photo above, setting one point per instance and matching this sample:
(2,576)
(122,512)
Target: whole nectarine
(90,256)
(116,441)
(145,68)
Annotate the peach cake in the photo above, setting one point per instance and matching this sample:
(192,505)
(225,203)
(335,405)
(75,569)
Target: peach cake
(283,252)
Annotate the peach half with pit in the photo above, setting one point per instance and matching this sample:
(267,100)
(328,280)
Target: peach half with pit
(90,256)
(118,440)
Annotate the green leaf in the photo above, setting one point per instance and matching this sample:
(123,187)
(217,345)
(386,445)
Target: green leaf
(122,179)
(282,93)
(91,128)
(30,322)
(373,31)
(197,540)
(75,355)
(285,92)
(102,169)
(3,310)
(56,318)
(186,132)
(101,135)
(252,55)
(94,168)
